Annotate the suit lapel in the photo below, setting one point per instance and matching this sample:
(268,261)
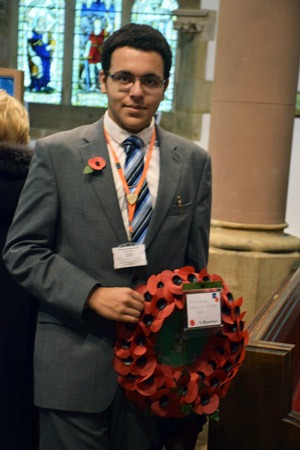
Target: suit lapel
(170,170)
(102,184)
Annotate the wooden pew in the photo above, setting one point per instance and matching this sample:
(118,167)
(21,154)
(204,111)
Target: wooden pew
(258,412)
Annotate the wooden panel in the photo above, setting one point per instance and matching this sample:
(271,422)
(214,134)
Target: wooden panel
(257,411)
(290,435)
(279,315)
(258,399)
(279,319)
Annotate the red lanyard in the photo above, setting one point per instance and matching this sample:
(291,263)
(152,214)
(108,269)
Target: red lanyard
(131,197)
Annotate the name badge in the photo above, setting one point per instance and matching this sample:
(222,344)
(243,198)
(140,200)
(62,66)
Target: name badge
(204,309)
(129,255)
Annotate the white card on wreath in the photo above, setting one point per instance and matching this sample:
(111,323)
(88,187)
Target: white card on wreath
(203,308)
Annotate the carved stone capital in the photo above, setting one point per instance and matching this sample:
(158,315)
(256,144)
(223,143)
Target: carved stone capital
(194,21)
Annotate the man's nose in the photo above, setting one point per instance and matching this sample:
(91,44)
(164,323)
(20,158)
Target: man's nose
(137,87)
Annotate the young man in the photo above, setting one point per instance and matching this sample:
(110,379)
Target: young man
(66,243)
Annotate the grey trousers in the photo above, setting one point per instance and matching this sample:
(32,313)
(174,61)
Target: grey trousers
(121,427)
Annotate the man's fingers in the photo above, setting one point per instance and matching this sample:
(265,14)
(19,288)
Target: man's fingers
(135,304)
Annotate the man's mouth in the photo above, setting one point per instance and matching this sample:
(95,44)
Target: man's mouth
(137,107)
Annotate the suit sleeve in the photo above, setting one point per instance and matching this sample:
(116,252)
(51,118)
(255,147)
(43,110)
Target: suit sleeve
(29,252)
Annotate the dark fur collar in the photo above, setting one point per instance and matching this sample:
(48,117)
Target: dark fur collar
(14,159)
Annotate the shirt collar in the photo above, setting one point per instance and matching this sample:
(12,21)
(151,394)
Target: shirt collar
(118,134)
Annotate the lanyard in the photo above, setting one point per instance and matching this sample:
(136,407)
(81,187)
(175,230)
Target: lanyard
(131,197)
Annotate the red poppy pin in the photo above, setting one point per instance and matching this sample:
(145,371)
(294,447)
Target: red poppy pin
(95,165)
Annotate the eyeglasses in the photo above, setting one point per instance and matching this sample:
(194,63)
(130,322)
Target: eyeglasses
(125,81)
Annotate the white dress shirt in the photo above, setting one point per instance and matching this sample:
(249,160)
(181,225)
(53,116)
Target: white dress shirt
(117,135)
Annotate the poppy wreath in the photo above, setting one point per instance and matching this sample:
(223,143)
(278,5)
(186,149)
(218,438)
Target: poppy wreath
(176,390)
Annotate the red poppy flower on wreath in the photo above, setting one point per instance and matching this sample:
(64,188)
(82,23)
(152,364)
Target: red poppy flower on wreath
(142,357)
(164,401)
(207,402)
(95,165)
(151,384)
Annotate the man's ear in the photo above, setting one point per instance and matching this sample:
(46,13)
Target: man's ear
(166,84)
(102,79)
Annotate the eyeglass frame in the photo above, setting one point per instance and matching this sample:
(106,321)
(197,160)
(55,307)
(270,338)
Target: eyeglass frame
(128,86)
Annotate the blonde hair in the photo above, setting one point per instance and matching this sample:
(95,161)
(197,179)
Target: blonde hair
(14,120)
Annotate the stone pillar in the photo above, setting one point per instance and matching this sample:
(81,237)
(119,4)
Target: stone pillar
(192,91)
(126,11)
(252,117)
(8,33)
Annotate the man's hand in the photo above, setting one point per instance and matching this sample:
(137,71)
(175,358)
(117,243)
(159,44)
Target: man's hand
(116,303)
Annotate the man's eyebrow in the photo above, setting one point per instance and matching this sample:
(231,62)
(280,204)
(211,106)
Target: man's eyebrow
(126,72)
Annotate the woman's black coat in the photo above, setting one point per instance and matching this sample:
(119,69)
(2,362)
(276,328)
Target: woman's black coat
(17,318)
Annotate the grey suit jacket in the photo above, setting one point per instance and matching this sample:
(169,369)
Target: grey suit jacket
(60,246)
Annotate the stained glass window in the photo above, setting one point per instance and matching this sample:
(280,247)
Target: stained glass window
(40,49)
(158,13)
(94,21)
(41,45)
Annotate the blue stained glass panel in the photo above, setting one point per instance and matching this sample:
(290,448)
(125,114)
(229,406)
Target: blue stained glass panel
(41,49)
(94,21)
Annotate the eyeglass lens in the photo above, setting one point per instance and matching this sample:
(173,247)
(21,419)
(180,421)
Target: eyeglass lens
(127,79)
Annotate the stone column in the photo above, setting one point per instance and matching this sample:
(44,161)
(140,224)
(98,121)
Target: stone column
(8,33)
(252,117)
(192,91)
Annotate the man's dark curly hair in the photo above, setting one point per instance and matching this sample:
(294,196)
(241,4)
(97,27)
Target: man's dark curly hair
(141,37)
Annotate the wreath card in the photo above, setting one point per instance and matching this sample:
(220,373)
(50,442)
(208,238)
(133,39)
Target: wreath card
(203,308)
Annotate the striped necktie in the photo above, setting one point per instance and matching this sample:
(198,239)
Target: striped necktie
(134,166)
